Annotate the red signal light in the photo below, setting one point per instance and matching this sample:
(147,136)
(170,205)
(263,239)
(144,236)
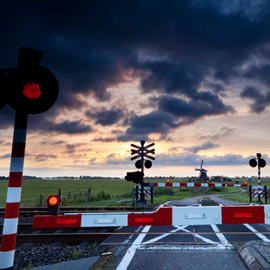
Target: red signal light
(31,90)
(53,200)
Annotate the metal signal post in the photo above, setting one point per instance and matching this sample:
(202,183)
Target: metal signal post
(142,152)
(261,164)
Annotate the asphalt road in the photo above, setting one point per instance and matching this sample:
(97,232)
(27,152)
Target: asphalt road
(216,198)
(184,247)
(202,247)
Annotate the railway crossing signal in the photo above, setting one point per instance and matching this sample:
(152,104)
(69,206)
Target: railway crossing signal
(29,89)
(3,85)
(32,90)
(135,177)
(261,164)
(53,202)
(141,152)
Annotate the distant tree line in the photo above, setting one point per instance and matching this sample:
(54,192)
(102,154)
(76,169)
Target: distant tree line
(161,178)
(25,177)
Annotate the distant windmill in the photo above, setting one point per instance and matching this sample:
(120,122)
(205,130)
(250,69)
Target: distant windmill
(203,176)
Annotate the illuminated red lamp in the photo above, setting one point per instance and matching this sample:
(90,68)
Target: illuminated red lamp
(53,202)
(32,90)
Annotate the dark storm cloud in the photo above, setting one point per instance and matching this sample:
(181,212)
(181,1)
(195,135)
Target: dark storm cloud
(204,146)
(171,47)
(260,101)
(154,122)
(104,139)
(207,104)
(192,159)
(223,132)
(173,112)
(7,117)
(8,155)
(44,157)
(53,142)
(106,117)
(46,124)
(260,73)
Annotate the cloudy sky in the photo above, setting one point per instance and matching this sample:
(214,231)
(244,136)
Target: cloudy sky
(190,76)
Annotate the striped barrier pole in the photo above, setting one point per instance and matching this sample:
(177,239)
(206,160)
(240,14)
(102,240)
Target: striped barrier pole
(259,182)
(10,227)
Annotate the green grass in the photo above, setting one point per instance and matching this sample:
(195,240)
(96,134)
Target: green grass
(32,189)
(103,192)
(241,197)
(244,197)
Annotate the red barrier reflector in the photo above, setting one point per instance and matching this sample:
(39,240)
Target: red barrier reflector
(69,221)
(197,185)
(66,221)
(242,214)
(168,184)
(141,219)
(211,184)
(144,220)
(183,184)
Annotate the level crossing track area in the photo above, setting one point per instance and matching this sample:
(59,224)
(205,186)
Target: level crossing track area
(169,235)
(162,243)
(190,237)
(137,241)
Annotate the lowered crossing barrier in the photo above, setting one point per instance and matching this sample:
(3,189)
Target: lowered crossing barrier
(163,216)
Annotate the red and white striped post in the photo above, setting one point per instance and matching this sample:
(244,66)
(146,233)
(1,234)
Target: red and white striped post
(259,182)
(9,235)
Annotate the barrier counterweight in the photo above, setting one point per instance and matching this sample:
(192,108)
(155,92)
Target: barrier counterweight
(10,227)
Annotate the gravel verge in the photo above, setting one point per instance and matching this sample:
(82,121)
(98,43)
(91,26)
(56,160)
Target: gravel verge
(32,255)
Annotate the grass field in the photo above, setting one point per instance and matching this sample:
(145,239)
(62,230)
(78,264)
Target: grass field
(105,192)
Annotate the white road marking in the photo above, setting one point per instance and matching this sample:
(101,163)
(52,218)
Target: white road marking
(205,239)
(213,245)
(260,235)
(221,236)
(182,247)
(162,236)
(131,251)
